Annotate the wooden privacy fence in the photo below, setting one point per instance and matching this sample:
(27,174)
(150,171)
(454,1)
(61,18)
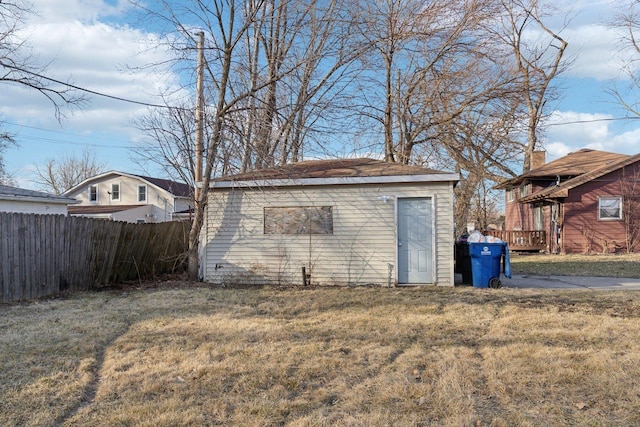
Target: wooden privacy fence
(41,255)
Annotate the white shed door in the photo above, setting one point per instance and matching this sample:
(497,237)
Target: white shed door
(415,242)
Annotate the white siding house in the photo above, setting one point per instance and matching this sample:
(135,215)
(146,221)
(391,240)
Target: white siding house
(21,200)
(347,222)
(127,197)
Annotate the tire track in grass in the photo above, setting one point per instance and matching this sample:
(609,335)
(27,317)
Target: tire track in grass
(90,390)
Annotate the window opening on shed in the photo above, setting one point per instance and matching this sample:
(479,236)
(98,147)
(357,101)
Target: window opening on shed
(298,220)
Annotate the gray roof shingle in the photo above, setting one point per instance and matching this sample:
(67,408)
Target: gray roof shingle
(15,193)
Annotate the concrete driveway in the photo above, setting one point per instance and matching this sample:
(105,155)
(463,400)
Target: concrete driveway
(570,282)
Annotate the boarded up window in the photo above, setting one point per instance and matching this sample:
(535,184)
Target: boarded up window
(299,220)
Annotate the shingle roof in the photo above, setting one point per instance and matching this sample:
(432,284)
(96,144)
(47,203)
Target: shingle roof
(562,190)
(336,168)
(15,193)
(176,188)
(571,165)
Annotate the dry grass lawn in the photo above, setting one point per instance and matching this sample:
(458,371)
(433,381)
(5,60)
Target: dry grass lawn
(178,355)
(602,265)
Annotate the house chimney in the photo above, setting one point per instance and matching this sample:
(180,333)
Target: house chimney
(538,158)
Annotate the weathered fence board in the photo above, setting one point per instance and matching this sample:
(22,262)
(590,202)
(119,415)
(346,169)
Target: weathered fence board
(42,255)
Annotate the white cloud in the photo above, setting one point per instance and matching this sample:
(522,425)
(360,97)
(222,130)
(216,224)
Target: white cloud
(627,142)
(587,127)
(593,45)
(569,131)
(82,42)
(96,56)
(593,50)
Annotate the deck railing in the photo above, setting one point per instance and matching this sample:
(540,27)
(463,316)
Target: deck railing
(521,240)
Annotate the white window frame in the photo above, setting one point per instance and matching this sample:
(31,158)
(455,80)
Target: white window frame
(617,199)
(97,193)
(510,195)
(113,198)
(146,196)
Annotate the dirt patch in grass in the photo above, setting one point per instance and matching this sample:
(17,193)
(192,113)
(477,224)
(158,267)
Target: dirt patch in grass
(181,355)
(608,265)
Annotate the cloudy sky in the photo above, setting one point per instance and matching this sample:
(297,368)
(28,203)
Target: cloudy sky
(91,42)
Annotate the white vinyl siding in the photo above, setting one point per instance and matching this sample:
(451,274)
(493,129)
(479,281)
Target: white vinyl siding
(361,250)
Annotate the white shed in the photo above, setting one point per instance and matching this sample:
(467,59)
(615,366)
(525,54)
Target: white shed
(331,222)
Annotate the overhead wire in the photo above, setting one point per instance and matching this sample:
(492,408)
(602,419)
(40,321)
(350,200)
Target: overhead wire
(148,104)
(93,92)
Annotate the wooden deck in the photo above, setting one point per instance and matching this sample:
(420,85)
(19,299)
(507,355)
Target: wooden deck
(521,240)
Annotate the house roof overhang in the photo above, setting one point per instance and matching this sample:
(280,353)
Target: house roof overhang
(572,165)
(560,191)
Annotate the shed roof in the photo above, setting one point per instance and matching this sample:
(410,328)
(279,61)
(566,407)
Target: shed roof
(562,190)
(571,165)
(22,194)
(335,171)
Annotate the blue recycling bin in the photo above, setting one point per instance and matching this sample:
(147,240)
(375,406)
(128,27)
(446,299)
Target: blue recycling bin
(486,260)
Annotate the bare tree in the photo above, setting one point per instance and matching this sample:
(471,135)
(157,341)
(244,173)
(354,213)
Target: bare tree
(480,146)
(628,21)
(308,48)
(225,23)
(18,66)
(271,68)
(435,63)
(538,57)
(60,175)
(6,140)
(630,188)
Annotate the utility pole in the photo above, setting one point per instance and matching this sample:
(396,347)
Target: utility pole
(199,115)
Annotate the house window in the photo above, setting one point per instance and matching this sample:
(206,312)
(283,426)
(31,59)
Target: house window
(610,208)
(115,191)
(538,218)
(142,193)
(299,220)
(93,193)
(524,190)
(510,195)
